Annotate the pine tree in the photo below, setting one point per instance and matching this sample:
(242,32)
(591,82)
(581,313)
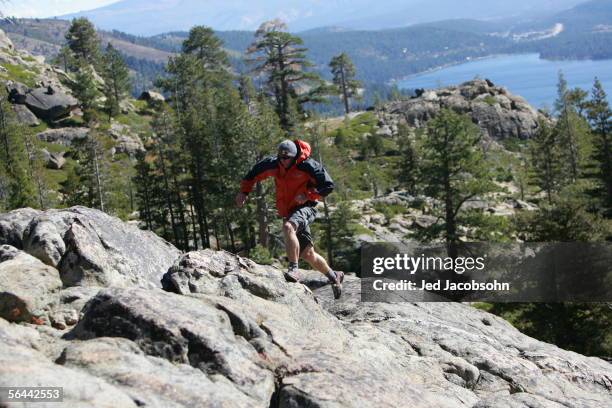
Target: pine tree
(571,130)
(16,181)
(281,57)
(198,80)
(167,159)
(208,51)
(265,133)
(35,168)
(65,59)
(452,168)
(86,91)
(599,114)
(116,80)
(408,166)
(86,180)
(343,72)
(82,40)
(72,190)
(144,180)
(549,167)
(567,220)
(344,254)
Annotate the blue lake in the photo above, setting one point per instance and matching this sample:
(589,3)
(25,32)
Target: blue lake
(526,75)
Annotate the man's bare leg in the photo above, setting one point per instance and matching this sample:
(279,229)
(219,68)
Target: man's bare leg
(315,260)
(318,262)
(292,244)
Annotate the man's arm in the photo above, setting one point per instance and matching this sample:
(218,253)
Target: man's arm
(261,171)
(324,184)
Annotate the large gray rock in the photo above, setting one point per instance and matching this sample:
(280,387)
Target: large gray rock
(192,332)
(54,161)
(234,333)
(89,247)
(49,103)
(12,225)
(5,41)
(477,351)
(24,116)
(29,368)
(270,338)
(63,136)
(16,91)
(429,354)
(28,287)
(497,113)
(153,381)
(125,141)
(152,97)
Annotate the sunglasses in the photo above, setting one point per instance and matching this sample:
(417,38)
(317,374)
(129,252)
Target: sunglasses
(284,156)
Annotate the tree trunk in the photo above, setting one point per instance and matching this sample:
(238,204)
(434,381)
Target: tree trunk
(162,163)
(34,175)
(193,218)
(344,91)
(97,174)
(284,89)
(262,216)
(228,226)
(572,146)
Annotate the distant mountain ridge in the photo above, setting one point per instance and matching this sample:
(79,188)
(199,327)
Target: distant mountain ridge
(583,32)
(143,17)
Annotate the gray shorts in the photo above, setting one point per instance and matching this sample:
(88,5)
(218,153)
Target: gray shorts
(301,218)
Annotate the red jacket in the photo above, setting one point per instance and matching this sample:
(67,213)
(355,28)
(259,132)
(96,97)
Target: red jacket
(305,176)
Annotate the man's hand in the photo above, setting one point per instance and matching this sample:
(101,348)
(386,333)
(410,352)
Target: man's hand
(300,198)
(240,199)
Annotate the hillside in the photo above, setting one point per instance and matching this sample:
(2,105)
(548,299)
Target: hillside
(40,96)
(502,117)
(379,56)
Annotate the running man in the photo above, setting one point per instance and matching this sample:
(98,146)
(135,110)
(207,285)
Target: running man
(300,181)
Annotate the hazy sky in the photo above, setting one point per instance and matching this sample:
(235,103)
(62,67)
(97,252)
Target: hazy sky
(48,8)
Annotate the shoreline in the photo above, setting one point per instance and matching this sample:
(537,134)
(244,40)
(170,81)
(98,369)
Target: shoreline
(453,64)
(395,81)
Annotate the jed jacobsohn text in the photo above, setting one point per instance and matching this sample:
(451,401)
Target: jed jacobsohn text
(411,264)
(440,285)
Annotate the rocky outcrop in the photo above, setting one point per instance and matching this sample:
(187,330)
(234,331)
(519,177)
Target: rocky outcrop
(23,363)
(13,224)
(477,352)
(152,97)
(54,161)
(421,212)
(25,116)
(89,247)
(5,41)
(125,141)
(229,332)
(26,294)
(16,91)
(50,103)
(63,136)
(498,113)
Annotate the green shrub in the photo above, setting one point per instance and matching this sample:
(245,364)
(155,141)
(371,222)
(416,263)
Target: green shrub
(261,255)
(490,100)
(389,210)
